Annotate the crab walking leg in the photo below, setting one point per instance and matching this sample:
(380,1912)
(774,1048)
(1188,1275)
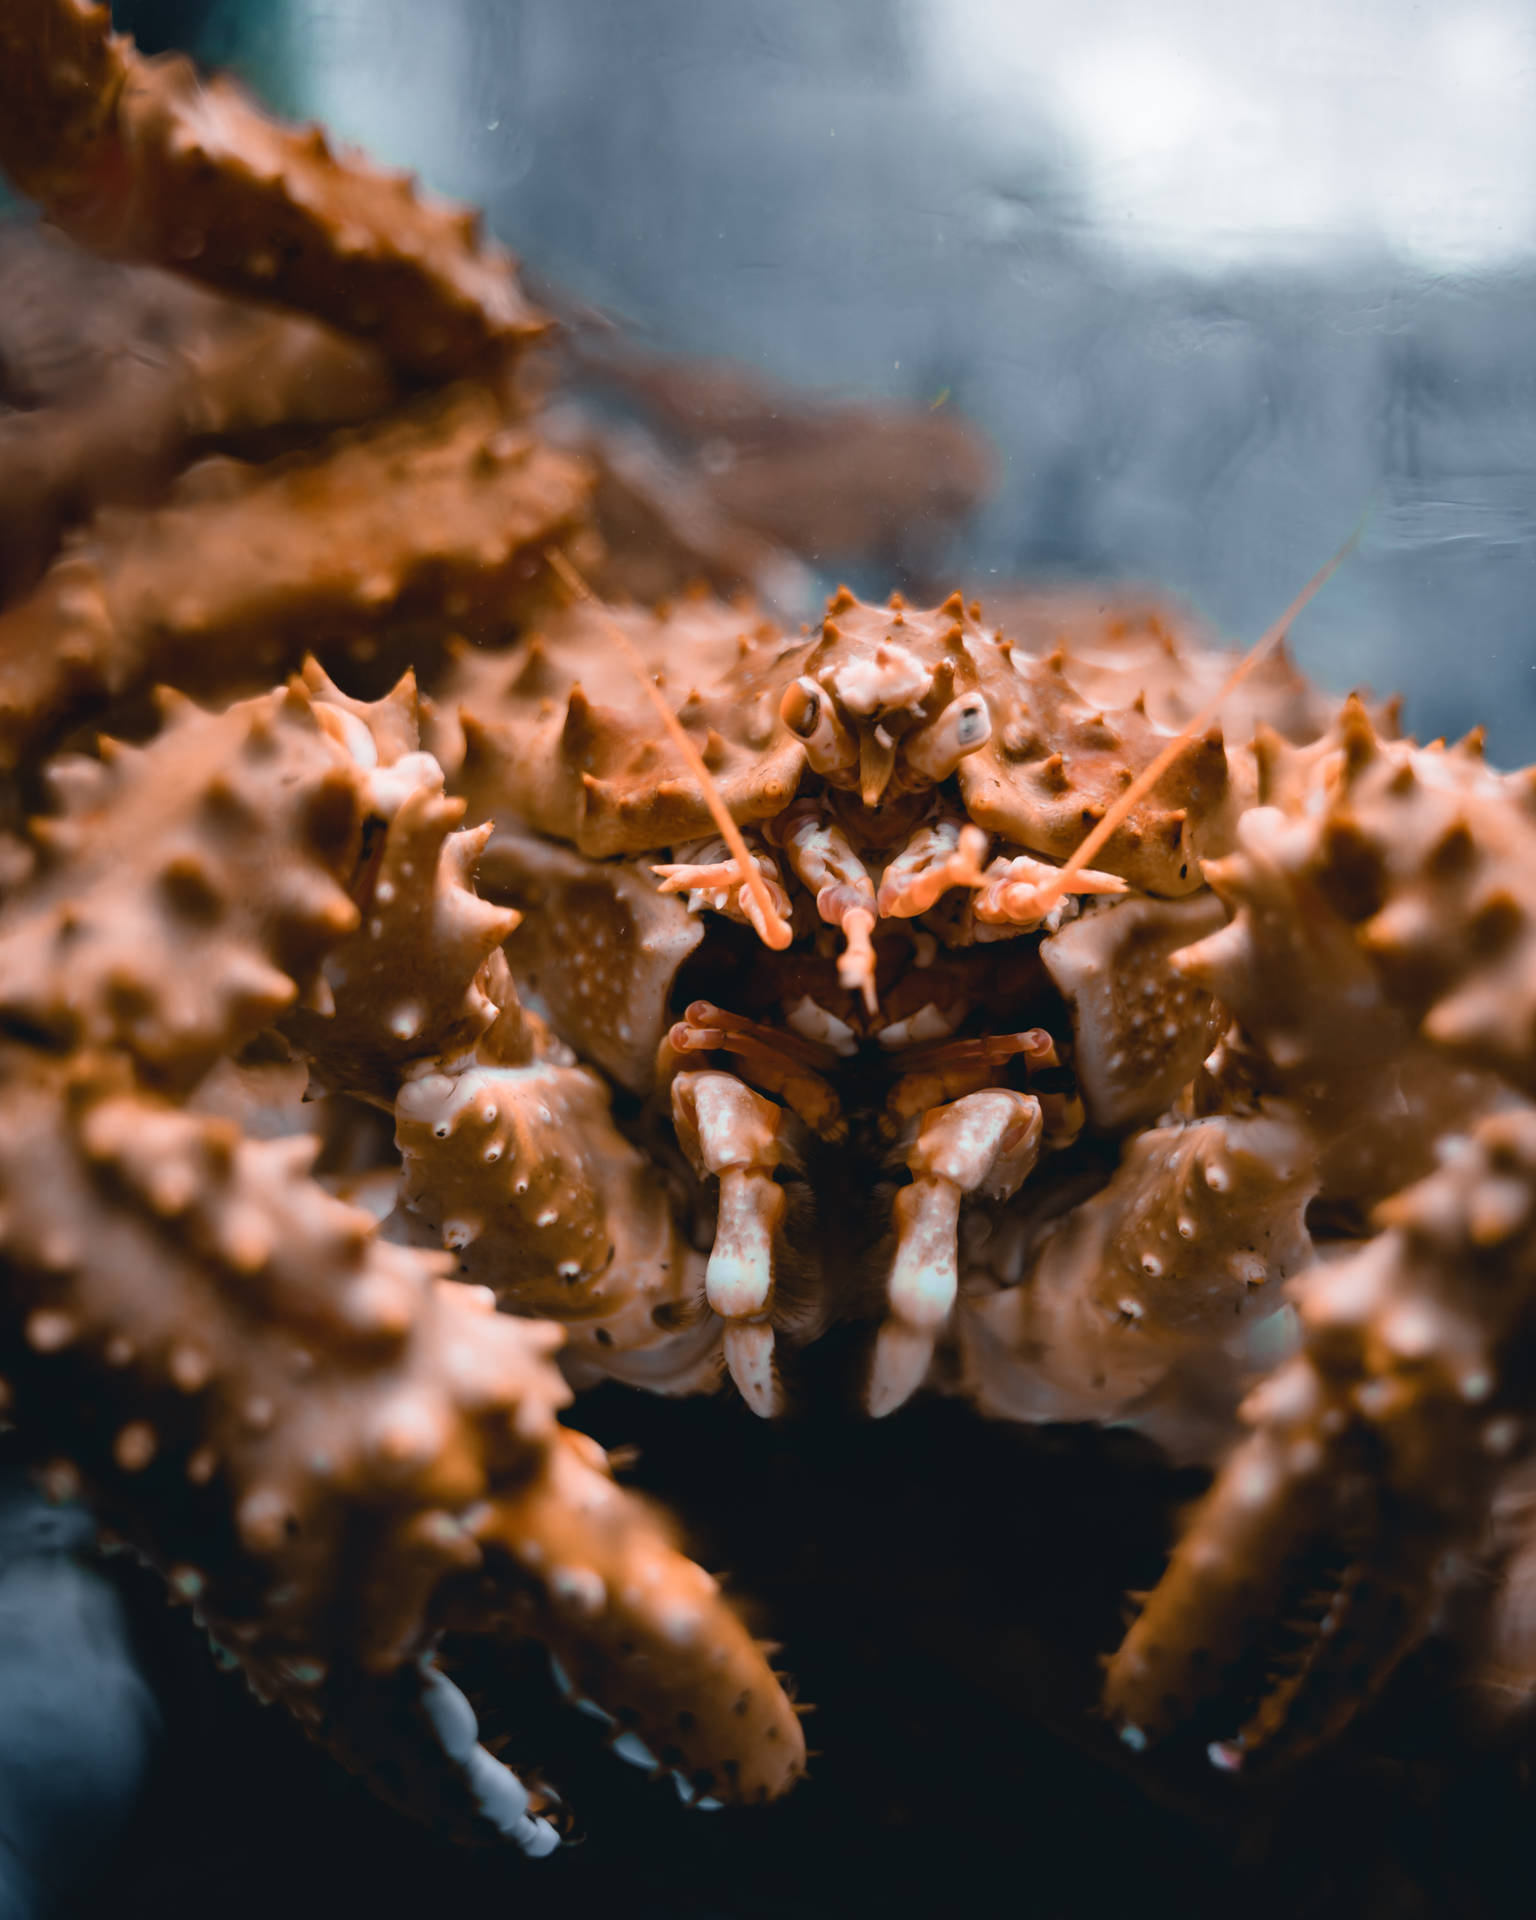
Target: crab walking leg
(1383,1440)
(715,881)
(434,513)
(784,1063)
(987,1143)
(731,1132)
(1020,891)
(148,159)
(640,1630)
(335,1452)
(824,860)
(946,852)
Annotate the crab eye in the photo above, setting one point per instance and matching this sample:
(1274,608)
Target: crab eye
(963,726)
(800,709)
(807,711)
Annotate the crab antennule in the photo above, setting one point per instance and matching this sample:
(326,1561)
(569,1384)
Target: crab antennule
(775,929)
(1149,776)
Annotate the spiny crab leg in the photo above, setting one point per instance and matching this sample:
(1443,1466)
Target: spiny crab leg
(735,1134)
(148,159)
(1382,1439)
(1020,892)
(943,853)
(824,861)
(986,1142)
(725,887)
(784,1062)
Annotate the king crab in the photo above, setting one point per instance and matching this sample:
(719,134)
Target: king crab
(1062,1013)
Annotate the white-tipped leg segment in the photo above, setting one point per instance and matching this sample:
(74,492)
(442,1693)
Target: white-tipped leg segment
(986,1143)
(728,1130)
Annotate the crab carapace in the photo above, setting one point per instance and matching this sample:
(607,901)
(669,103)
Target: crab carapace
(908,790)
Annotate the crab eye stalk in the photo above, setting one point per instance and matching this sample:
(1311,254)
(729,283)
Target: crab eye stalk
(807,711)
(963,726)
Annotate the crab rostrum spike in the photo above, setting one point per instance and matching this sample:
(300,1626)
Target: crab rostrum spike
(199,884)
(1376,1449)
(438,513)
(150,160)
(332,1450)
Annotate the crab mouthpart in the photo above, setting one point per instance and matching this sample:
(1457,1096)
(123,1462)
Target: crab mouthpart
(877,762)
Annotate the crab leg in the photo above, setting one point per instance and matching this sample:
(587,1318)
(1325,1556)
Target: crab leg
(944,853)
(987,1143)
(1020,891)
(436,513)
(1382,1440)
(948,1069)
(784,1062)
(149,160)
(721,885)
(335,1452)
(735,1134)
(824,860)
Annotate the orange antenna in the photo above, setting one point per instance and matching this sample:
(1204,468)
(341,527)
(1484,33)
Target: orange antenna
(776,930)
(1147,779)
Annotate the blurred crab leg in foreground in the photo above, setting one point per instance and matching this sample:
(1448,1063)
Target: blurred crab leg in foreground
(737,1136)
(1381,1442)
(234,1358)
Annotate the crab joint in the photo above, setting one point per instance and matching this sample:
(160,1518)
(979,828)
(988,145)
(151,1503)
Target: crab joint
(1020,892)
(735,1134)
(822,858)
(985,1142)
(944,853)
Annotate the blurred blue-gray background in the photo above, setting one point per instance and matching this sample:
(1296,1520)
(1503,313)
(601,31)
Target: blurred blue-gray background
(1210,276)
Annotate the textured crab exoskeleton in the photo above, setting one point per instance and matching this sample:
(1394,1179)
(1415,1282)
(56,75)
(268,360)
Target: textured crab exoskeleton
(337,1452)
(1374,1454)
(118,376)
(1376,965)
(434,518)
(857,757)
(149,160)
(888,1049)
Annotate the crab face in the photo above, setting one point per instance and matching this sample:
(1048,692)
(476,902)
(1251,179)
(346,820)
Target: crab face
(887,704)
